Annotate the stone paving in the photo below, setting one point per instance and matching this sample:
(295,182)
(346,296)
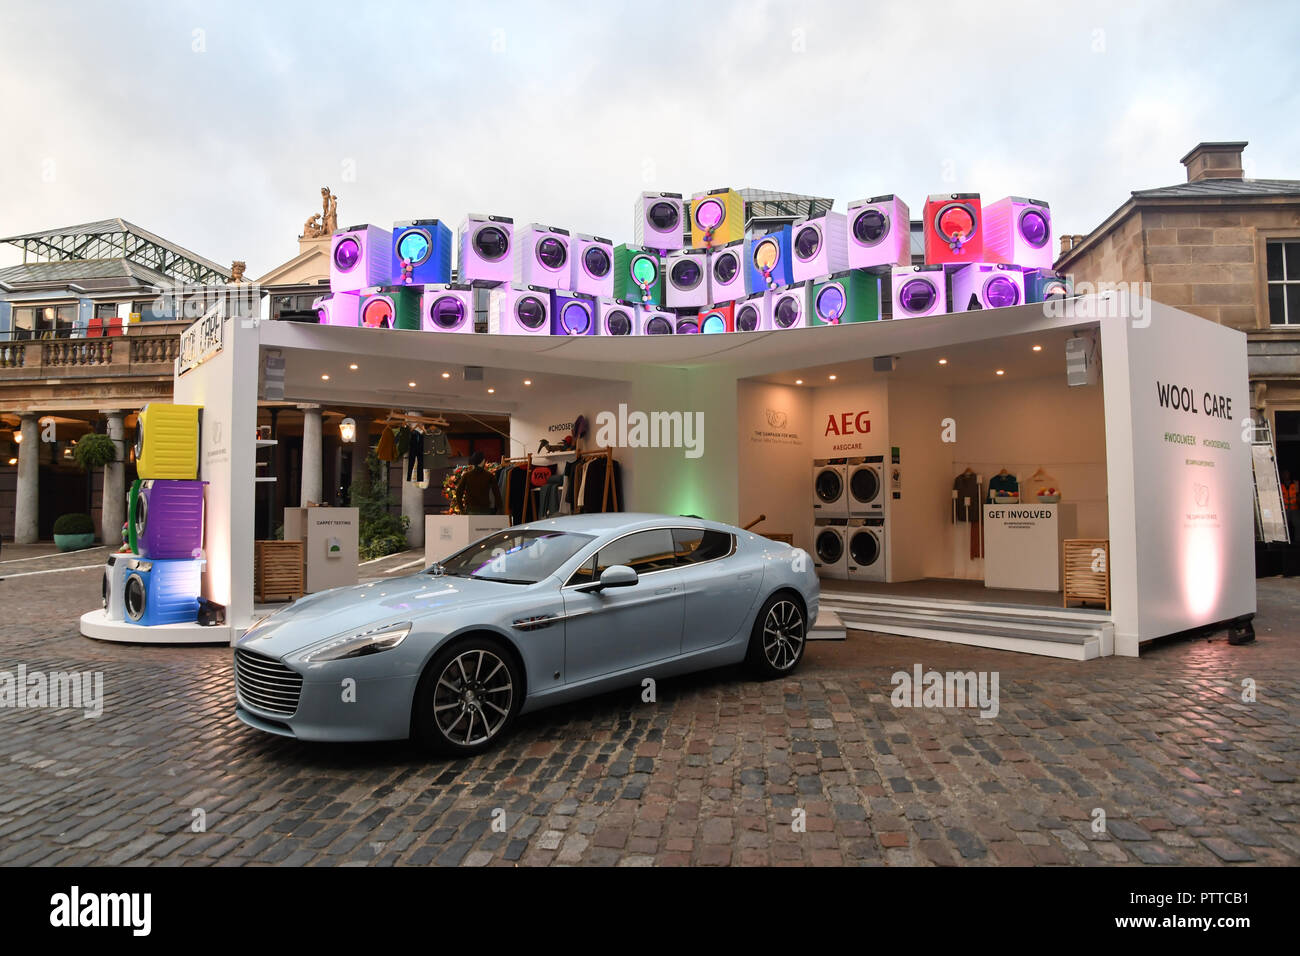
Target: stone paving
(818,769)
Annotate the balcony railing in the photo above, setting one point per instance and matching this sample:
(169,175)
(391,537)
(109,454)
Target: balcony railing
(136,353)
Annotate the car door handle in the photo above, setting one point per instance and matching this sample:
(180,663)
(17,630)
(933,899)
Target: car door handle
(744,577)
(665,590)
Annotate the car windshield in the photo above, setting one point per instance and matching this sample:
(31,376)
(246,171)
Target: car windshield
(514,556)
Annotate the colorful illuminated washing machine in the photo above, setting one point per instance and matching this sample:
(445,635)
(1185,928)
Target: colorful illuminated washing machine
(829,548)
(519,311)
(717,318)
(954,229)
(849,296)
(421,252)
(686,279)
(113,585)
(727,272)
(878,232)
(819,246)
(542,257)
(753,313)
(1018,232)
(790,307)
(573,313)
(391,307)
(447,307)
(920,291)
(717,217)
(686,323)
(987,285)
(652,320)
(165,518)
(158,591)
(360,257)
(637,275)
(768,258)
(339,308)
(615,317)
(1044,284)
(485,247)
(657,221)
(593,266)
(830,493)
(167,441)
(864,546)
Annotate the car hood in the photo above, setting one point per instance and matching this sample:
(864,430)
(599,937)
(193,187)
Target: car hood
(408,598)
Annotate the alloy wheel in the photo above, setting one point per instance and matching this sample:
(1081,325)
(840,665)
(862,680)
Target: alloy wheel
(783,635)
(473,697)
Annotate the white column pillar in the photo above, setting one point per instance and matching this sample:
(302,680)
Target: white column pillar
(412,508)
(312,463)
(360,449)
(115,483)
(27,504)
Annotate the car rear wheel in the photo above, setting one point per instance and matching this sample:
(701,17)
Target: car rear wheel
(780,634)
(468,696)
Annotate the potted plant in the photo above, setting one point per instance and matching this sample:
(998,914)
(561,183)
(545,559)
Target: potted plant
(94,451)
(73,532)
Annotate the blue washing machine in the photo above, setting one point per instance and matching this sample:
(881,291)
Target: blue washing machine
(159,591)
(421,252)
(768,261)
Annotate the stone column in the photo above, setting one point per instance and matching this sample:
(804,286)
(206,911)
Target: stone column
(312,463)
(361,449)
(412,508)
(27,502)
(115,483)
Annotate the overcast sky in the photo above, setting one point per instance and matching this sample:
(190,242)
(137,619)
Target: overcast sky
(216,124)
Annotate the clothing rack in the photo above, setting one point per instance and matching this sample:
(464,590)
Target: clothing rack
(609,495)
(529,504)
(408,418)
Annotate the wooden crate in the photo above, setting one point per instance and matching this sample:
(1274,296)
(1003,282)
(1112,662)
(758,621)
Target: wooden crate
(1082,583)
(277,570)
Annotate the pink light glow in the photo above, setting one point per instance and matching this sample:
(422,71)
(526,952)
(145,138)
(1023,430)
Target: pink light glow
(1202,570)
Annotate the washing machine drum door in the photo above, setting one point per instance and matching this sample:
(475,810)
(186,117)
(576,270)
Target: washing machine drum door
(865,484)
(135,597)
(830,547)
(103,589)
(864,549)
(829,486)
(491,243)
(618,322)
(141,515)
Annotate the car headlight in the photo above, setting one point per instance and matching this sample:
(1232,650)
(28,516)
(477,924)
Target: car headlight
(359,643)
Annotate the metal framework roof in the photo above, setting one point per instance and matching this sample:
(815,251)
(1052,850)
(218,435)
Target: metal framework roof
(770,204)
(119,239)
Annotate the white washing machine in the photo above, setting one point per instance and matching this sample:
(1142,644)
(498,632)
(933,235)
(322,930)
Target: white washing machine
(830,550)
(865,480)
(114,585)
(830,498)
(864,547)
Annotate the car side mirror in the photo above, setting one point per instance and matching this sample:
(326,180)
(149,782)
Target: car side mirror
(614,576)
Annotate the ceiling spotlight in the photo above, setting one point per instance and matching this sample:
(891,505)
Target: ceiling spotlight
(492,391)
(411,384)
(528,381)
(1038,348)
(353,366)
(831,377)
(943,361)
(13,461)
(324,378)
(798,381)
(446,374)
(1001,372)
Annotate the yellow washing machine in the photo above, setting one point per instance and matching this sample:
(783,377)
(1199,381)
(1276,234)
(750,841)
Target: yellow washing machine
(167,441)
(717,217)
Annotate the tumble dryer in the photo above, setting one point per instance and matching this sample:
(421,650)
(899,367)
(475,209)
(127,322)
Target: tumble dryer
(717,217)
(727,272)
(657,221)
(421,252)
(391,307)
(919,291)
(819,246)
(593,265)
(541,257)
(360,257)
(984,285)
(830,497)
(864,548)
(753,313)
(167,441)
(686,323)
(573,313)
(830,548)
(1044,284)
(112,586)
(513,310)
(448,307)
(865,482)
(158,591)
(686,279)
(769,261)
(878,232)
(485,247)
(615,317)
(637,275)
(953,229)
(339,308)
(717,318)
(652,320)
(164,518)
(790,307)
(1018,232)
(849,296)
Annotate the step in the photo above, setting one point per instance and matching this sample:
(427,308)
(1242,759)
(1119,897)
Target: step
(827,627)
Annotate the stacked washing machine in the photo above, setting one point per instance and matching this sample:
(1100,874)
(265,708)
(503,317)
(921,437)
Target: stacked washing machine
(848,499)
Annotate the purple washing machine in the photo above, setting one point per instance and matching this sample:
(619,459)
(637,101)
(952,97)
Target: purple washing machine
(987,285)
(339,308)
(819,246)
(651,320)
(542,257)
(658,221)
(360,257)
(485,250)
(519,310)
(878,233)
(615,317)
(753,313)
(165,518)
(919,291)
(727,272)
(593,266)
(1018,232)
(686,279)
(573,313)
(790,307)
(447,307)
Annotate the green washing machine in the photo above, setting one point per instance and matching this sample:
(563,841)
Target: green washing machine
(849,296)
(638,275)
(391,307)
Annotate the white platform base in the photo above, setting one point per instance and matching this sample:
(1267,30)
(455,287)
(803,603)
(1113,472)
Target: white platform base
(97,625)
(827,627)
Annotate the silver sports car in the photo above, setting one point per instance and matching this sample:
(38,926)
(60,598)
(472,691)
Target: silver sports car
(535,615)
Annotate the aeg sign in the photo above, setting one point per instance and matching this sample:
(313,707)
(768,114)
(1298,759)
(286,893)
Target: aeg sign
(848,423)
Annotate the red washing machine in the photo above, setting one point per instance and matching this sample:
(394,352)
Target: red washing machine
(954,229)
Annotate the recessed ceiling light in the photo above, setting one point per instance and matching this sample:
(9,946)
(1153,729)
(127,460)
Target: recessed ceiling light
(1001,372)
(943,361)
(446,374)
(528,381)
(411,384)
(324,378)
(492,391)
(831,377)
(798,381)
(13,461)
(353,366)
(1038,348)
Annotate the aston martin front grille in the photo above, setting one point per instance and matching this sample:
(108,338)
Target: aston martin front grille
(265,684)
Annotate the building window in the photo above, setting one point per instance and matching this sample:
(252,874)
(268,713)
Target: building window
(1283,281)
(105,310)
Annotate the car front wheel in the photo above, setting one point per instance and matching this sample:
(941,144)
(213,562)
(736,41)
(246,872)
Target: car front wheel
(780,633)
(468,696)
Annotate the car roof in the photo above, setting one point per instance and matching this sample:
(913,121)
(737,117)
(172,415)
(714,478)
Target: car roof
(615,521)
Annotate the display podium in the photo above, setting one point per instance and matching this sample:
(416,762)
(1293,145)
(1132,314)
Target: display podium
(330,545)
(444,535)
(1022,544)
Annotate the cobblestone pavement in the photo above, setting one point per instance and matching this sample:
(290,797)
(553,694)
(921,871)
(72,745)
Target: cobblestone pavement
(713,773)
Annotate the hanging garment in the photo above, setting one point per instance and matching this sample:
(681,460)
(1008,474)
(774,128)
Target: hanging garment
(593,496)
(1006,484)
(967,486)
(386,449)
(402,441)
(437,449)
(415,457)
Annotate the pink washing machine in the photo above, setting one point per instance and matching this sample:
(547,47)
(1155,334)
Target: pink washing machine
(542,257)
(987,285)
(657,221)
(485,250)
(753,313)
(727,272)
(592,265)
(615,317)
(790,307)
(878,233)
(651,320)
(339,308)
(1018,232)
(686,279)
(819,246)
(447,307)
(919,291)
(360,257)
(519,310)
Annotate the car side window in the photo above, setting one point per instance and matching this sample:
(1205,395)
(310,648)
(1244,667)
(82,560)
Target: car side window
(585,574)
(643,552)
(694,545)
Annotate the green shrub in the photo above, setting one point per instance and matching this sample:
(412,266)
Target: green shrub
(94,451)
(74,524)
(381,532)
